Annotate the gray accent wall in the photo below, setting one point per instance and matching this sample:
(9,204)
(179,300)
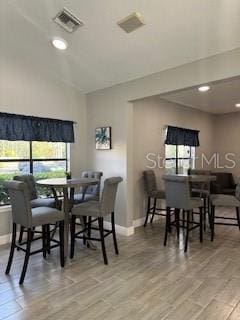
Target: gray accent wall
(151,115)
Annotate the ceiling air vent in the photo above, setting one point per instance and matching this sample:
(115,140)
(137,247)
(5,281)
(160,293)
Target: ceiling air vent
(132,22)
(67,20)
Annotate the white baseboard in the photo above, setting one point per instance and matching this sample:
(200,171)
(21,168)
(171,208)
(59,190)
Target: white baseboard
(120,229)
(6,238)
(140,222)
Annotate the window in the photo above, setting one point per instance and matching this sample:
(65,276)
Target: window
(43,159)
(178,159)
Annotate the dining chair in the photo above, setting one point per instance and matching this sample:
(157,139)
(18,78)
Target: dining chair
(91,192)
(224,183)
(99,210)
(225,200)
(24,215)
(202,190)
(178,196)
(30,182)
(153,194)
(88,194)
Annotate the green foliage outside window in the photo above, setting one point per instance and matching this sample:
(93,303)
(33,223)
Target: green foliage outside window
(48,158)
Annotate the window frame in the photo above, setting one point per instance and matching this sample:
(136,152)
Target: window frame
(31,160)
(179,158)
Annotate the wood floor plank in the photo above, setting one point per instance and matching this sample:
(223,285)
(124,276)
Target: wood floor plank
(147,281)
(187,310)
(235,315)
(8,309)
(215,311)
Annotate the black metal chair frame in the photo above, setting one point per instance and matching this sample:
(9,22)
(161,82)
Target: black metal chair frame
(153,210)
(213,222)
(88,228)
(187,224)
(46,246)
(57,206)
(49,235)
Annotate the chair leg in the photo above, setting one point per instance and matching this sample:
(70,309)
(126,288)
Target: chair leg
(27,255)
(238,217)
(212,222)
(201,218)
(20,236)
(114,233)
(168,212)
(61,237)
(154,209)
(205,212)
(189,212)
(183,218)
(100,223)
(177,214)
(148,209)
(72,227)
(209,211)
(84,237)
(48,239)
(44,241)
(13,244)
(89,229)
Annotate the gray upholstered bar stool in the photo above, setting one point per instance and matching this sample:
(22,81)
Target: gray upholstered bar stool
(91,192)
(153,193)
(225,200)
(99,210)
(29,218)
(178,196)
(202,191)
(35,201)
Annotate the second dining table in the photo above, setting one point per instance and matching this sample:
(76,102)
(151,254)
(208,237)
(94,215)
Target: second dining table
(67,186)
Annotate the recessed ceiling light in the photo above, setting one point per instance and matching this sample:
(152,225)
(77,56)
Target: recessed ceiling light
(204,88)
(59,43)
(237,105)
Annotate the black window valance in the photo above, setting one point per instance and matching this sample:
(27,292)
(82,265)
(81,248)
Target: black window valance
(15,127)
(182,136)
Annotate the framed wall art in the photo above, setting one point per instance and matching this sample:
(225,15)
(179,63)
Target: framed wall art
(103,139)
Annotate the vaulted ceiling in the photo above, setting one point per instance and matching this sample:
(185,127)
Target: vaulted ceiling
(100,54)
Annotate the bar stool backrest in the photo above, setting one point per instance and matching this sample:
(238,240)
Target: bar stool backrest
(20,202)
(94,189)
(109,192)
(149,181)
(30,182)
(177,189)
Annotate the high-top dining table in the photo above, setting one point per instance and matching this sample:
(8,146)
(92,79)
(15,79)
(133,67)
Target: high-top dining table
(202,179)
(67,186)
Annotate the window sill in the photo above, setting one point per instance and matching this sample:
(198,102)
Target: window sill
(6,208)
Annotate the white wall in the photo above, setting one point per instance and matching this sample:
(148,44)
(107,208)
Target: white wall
(25,90)
(151,115)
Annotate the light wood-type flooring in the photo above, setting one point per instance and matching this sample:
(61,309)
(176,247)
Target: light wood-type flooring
(147,281)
